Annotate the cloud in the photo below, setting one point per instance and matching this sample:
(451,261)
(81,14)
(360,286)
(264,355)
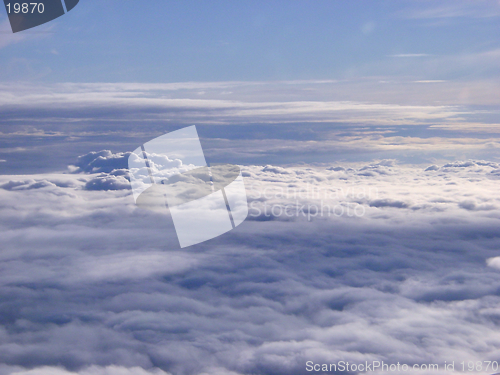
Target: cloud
(471,204)
(120,101)
(388,203)
(7,37)
(432,168)
(74,119)
(92,370)
(274,169)
(102,161)
(493,262)
(411,55)
(396,270)
(36,184)
(470,163)
(108,183)
(452,9)
(368,28)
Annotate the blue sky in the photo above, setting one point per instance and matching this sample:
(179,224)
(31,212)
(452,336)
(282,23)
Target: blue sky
(168,41)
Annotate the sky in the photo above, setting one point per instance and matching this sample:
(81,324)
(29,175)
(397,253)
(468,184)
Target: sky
(165,41)
(111,72)
(368,138)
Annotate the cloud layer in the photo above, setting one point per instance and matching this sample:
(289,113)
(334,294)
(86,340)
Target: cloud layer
(403,267)
(414,120)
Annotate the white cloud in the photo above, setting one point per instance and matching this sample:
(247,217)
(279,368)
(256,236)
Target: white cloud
(105,100)
(7,37)
(92,370)
(368,28)
(88,279)
(452,9)
(410,55)
(493,262)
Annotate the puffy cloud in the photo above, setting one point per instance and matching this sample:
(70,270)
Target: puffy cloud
(36,184)
(108,183)
(388,203)
(274,169)
(494,262)
(432,168)
(396,271)
(102,161)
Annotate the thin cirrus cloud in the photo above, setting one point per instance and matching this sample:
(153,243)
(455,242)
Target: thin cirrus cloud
(410,55)
(212,105)
(452,9)
(7,37)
